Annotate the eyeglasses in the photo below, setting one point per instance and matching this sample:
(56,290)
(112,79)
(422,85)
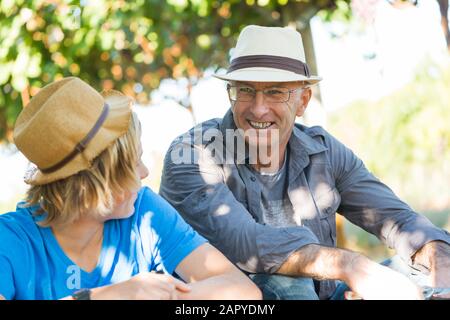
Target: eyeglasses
(245,93)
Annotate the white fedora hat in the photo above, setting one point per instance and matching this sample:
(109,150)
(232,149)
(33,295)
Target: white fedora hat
(269,54)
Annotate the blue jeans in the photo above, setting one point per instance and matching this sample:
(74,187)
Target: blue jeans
(279,287)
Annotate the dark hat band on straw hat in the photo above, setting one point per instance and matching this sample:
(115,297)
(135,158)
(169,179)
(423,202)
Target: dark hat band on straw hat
(79,148)
(269,61)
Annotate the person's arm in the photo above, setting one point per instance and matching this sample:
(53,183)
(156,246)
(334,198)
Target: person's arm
(373,206)
(209,273)
(144,286)
(368,279)
(212,276)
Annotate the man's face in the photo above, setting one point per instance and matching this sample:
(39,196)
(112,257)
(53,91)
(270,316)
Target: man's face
(262,116)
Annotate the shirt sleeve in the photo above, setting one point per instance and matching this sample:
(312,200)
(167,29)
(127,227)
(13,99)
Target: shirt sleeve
(373,206)
(6,278)
(8,245)
(173,238)
(198,191)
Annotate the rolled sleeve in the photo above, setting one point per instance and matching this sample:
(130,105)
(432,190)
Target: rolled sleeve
(373,206)
(201,196)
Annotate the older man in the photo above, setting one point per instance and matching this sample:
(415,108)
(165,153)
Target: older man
(267,195)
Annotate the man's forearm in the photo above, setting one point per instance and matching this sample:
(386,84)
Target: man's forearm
(319,262)
(367,278)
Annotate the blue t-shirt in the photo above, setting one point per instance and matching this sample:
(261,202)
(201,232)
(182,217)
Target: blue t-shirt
(33,265)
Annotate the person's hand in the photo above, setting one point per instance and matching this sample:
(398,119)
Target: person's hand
(440,278)
(372,281)
(435,255)
(144,286)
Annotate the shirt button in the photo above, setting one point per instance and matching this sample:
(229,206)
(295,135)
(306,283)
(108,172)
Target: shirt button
(253,179)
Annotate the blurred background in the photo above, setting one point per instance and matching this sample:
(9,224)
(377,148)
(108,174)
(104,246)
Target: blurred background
(385,64)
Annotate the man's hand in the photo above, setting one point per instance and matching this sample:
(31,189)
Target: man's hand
(372,281)
(366,278)
(144,286)
(435,256)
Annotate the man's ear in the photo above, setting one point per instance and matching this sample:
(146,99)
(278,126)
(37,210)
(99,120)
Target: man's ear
(305,96)
(232,103)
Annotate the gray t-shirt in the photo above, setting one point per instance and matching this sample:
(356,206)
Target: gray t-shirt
(277,210)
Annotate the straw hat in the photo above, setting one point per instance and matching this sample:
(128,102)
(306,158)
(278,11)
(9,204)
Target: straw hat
(269,54)
(66,125)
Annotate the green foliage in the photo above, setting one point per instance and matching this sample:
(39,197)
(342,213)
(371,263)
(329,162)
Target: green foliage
(128,45)
(404,138)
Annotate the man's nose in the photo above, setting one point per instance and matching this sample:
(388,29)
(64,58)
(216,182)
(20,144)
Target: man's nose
(259,107)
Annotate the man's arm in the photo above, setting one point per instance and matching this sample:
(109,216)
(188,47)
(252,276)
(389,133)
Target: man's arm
(319,262)
(368,279)
(212,276)
(373,206)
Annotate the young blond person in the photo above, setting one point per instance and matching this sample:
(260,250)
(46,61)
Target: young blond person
(88,229)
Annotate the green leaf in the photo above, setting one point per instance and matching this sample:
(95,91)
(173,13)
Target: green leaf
(149,39)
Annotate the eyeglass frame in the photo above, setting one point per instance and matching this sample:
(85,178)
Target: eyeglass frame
(229,86)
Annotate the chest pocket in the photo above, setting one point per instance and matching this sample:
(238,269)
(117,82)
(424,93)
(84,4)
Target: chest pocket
(236,184)
(327,204)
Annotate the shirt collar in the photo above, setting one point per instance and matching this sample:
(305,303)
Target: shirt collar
(302,146)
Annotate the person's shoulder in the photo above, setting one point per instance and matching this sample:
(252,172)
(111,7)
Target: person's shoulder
(145,194)
(149,202)
(319,134)
(16,226)
(152,212)
(313,131)
(20,217)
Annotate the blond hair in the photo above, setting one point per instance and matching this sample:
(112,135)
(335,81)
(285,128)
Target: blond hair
(111,174)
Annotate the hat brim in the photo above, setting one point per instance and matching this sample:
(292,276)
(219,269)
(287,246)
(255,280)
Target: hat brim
(115,125)
(266,75)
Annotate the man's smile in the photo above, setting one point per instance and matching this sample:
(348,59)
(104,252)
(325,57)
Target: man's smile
(260,124)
